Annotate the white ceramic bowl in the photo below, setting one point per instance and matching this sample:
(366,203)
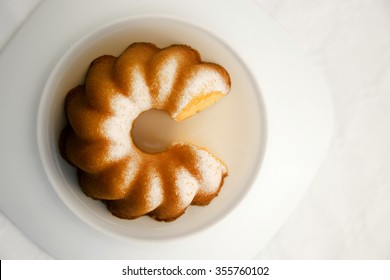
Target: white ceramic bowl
(233,128)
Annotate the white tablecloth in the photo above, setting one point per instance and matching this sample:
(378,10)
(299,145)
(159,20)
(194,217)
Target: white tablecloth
(346,212)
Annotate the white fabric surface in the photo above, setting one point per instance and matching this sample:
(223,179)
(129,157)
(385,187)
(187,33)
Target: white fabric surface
(346,212)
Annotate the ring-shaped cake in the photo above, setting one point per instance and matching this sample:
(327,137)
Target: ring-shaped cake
(100,115)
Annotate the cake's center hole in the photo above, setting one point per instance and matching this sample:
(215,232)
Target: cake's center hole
(153,131)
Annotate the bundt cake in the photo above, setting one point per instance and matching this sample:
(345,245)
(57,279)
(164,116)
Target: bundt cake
(100,115)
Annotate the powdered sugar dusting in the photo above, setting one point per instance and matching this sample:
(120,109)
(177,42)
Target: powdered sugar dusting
(154,196)
(131,170)
(211,170)
(166,77)
(117,127)
(140,93)
(186,186)
(203,81)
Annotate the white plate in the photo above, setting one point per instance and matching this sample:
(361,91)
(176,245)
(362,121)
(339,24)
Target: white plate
(297,113)
(216,128)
